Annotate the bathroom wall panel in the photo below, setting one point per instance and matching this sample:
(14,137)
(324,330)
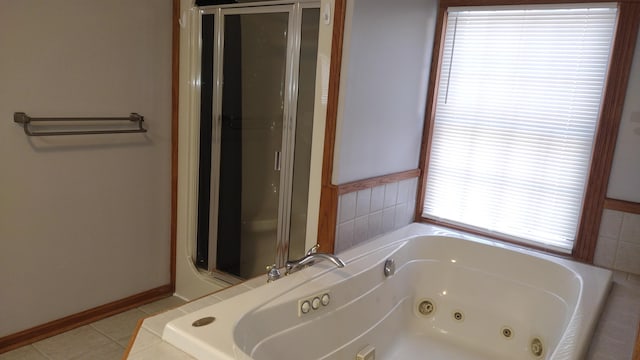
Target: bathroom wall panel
(624,182)
(385,68)
(84,220)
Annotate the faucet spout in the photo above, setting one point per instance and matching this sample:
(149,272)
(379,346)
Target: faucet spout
(310,259)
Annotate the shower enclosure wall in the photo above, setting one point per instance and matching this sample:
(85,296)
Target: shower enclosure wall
(257,83)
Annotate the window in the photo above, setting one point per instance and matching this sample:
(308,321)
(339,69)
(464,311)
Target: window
(516,112)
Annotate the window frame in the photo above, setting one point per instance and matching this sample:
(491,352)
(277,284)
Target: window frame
(616,81)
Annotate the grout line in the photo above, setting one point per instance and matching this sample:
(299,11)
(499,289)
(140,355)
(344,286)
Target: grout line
(148,313)
(107,336)
(618,239)
(40,352)
(370,198)
(620,226)
(615,253)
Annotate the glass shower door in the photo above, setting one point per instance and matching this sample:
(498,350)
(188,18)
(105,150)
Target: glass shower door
(253,109)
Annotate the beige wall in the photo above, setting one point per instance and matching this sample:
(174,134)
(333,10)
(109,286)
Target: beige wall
(84,220)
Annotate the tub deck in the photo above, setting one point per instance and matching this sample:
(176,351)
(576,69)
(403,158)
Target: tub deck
(404,346)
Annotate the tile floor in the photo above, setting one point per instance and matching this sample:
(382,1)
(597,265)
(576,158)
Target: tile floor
(106,339)
(615,335)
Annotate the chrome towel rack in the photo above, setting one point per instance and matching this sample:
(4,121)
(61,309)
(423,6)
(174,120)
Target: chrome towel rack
(26,120)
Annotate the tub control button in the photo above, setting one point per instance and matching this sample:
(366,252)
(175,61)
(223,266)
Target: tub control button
(313,303)
(325,299)
(305,307)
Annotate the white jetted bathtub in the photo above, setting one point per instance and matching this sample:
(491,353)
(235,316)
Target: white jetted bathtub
(452,296)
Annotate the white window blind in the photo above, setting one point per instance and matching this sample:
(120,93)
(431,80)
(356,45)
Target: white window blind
(516,112)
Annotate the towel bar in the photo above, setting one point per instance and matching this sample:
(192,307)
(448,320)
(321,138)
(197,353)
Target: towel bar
(26,120)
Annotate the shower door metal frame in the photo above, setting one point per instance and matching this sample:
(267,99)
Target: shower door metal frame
(289,136)
(294,9)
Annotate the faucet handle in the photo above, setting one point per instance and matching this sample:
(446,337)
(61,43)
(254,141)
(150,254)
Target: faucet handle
(313,250)
(273,273)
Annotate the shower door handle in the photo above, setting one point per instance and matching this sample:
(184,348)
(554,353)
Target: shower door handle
(277,160)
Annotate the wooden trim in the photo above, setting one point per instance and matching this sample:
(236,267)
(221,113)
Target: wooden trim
(621,205)
(636,349)
(132,339)
(377,181)
(175,85)
(328,218)
(329,192)
(611,111)
(606,135)
(430,112)
(67,323)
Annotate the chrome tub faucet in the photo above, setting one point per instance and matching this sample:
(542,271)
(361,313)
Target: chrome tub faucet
(310,258)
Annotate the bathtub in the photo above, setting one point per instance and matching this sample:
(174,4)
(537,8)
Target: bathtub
(451,296)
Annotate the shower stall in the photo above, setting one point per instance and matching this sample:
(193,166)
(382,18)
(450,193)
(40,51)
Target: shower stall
(257,92)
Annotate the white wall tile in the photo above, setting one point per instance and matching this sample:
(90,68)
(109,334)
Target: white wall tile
(377,198)
(390,194)
(388,219)
(628,257)
(361,229)
(630,228)
(414,184)
(368,213)
(404,187)
(375,224)
(605,252)
(611,223)
(347,203)
(408,213)
(363,202)
(412,211)
(344,240)
(413,199)
(401,216)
